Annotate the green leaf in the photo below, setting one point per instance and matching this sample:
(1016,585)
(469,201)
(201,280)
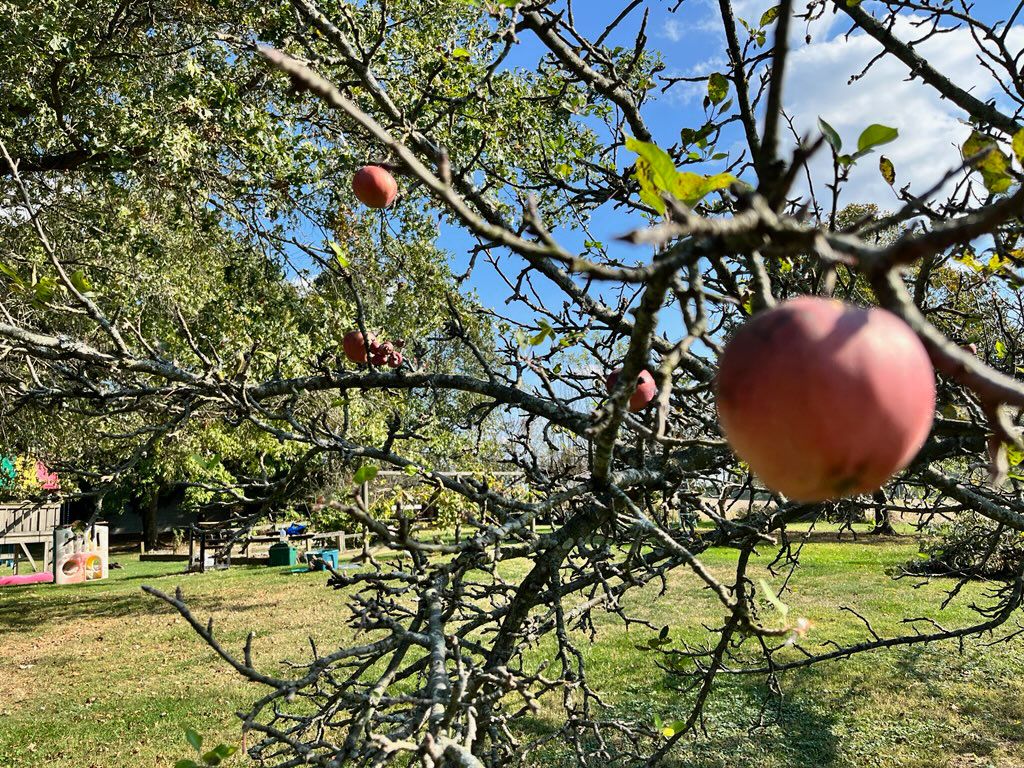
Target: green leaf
(219,753)
(655,172)
(831,135)
(460,53)
(1000,349)
(996,262)
(11,274)
(769,595)
(546,331)
(194,739)
(718,88)
(187,764)
(208,465)
(339,255)
(366,473)
(81,283)
(225,750)
(769,16)
(888,170)
(45,290)
(875,135)
(655,168)
(968,259)
(663,170)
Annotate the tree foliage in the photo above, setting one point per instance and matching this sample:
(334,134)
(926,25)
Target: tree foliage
(182,256)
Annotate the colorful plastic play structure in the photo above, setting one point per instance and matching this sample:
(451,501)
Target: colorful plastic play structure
(80,555)
(32,515)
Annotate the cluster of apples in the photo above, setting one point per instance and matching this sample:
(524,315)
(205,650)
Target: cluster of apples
(361,350)
(821,399)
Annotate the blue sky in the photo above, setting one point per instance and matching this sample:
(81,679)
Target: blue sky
(818,84)
(691,42)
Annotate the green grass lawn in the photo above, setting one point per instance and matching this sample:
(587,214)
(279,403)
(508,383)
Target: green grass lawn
(103,675)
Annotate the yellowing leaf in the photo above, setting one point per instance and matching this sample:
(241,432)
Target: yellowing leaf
(888,170)
(1014,454)
(769,16)
(718,88)
(968,260)
(1018,146)
(993,167)
(655,172)
(691,188)
(662,169)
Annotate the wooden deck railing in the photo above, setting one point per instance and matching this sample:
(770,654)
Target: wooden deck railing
(28,522)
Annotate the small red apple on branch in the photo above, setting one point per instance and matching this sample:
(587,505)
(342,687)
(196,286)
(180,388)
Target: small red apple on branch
(823,399)
(374,186)
(644,393)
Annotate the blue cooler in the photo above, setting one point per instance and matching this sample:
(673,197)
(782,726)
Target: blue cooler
(317,557)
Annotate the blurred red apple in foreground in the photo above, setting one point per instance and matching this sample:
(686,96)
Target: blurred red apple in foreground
(374,186)
(645,392)
(823,399)
(355,347)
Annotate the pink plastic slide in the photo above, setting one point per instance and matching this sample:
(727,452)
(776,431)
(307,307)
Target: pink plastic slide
(29,578)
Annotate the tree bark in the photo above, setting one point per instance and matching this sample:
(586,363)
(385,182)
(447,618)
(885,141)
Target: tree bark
(150,532)
(883,519)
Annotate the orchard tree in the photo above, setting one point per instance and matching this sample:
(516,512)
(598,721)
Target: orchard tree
(205,201)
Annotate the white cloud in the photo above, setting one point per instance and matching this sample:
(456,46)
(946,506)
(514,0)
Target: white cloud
(930,127)
(685,92)
(819,84)
(673,29)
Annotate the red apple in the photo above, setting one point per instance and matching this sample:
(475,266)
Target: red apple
(381,353)
(355,347)
(644,394)
(823,399)
(374,186)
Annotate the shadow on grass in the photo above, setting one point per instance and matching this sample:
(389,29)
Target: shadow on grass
(38,610)
(747,723)
(795,733)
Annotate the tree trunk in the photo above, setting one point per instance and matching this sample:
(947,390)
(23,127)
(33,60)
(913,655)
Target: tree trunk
(149,519)
(883,521)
